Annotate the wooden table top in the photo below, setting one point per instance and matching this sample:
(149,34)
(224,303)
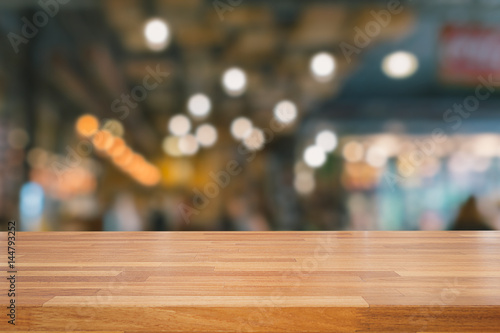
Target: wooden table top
(411,281)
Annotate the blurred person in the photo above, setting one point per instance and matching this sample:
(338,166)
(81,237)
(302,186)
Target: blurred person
(123,215)
(431,220)
(157,219)
(469,217)
(236,215)
(226,222)
(257,222)
(170,209)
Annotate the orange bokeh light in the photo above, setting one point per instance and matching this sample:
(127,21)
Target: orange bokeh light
(135,167)
(117,148)
(87,125)
(124,159)
(103,140)
(149,175)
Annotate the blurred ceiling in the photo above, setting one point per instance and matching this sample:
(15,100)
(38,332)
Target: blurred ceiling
(95,51)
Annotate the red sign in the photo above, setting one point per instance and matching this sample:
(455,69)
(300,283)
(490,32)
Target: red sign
(468,52)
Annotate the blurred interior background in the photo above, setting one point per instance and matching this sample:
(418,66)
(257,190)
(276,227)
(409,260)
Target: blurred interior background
(250,114)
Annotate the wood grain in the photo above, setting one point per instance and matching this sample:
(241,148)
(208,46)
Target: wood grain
(256,282)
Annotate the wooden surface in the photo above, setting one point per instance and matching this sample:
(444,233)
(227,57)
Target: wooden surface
(256,282)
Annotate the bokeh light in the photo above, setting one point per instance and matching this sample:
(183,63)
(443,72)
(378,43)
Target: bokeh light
(376,156)
(117,148)
(255,139)
(206,135)
(18,138)
(234,81)
(124,159)
(327,140)
(188,145)
(399,65)
(179,125)
(241,127)
(353,151)
(314,156)
(157,34)
(87,125)
(114,126)
(103,140)
(285,112)
(199,105)
(304,182)
(170,146)
(37,157)
(322,66)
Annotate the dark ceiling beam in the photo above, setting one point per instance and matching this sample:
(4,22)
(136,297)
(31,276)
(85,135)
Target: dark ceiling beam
(32,4)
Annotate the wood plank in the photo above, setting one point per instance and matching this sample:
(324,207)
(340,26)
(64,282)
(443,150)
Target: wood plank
(256,281)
